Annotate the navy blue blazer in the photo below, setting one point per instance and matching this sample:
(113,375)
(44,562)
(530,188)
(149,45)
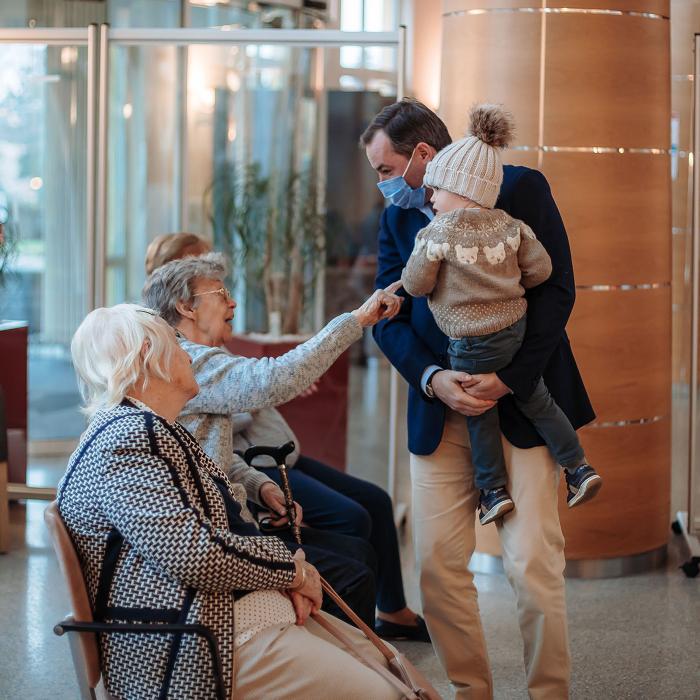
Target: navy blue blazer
(412,341)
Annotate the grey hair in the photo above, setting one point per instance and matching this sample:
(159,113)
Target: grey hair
(116,348)
(174,282)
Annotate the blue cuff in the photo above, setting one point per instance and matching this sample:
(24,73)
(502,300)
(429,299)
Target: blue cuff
(427,373)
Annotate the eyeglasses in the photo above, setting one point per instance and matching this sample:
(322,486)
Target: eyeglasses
(222,292)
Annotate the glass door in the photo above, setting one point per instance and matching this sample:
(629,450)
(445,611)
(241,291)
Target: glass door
(44,196)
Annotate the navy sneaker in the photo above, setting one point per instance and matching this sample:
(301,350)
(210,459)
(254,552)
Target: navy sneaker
(581,484)
(494,504)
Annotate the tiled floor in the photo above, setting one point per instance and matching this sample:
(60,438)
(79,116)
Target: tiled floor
(636,637)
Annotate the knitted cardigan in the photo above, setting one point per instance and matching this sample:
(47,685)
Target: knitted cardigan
(230,384)
(141,502)
(474,266)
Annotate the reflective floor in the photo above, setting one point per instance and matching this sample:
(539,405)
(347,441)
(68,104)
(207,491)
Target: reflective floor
(636,638)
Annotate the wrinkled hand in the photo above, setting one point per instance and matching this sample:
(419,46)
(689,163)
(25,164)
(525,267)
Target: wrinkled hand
(447,385)
(273,497)
(485,386)
(307,599)
(383,304)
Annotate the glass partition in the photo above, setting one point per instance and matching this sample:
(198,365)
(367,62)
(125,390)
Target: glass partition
(43,192)
(143,164)
(254,147)
(247,138)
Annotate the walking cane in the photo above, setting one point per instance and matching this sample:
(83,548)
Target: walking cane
(402,674)
(279,454)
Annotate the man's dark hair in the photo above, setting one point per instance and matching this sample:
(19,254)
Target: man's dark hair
(407,123)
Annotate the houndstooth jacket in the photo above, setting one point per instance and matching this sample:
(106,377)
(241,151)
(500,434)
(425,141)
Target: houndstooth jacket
(161,539)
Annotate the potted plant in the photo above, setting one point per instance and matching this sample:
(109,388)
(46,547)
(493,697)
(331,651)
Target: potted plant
(272,229)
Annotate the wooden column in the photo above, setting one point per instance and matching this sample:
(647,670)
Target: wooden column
(589,85)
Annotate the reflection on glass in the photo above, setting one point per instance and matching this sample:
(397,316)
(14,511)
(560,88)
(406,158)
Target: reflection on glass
(252,175)
(143,163)
(42,187)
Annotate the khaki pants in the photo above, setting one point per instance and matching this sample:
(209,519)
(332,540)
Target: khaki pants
(306,663)
(444,502)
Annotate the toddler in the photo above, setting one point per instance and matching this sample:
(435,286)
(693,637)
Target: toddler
(474,263)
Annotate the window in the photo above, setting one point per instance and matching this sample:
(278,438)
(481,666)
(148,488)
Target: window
(368,16)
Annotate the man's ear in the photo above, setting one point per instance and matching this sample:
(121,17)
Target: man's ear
(185,310)
(425,151)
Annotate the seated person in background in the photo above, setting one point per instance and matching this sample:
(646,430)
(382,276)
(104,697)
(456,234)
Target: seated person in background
(191,296)
(161,535)
(169,246)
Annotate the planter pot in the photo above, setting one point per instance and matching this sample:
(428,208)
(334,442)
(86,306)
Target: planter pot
(320,421)
(13,380)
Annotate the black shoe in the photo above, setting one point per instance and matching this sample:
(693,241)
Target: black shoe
(494,504)
(581,485)
(411,633)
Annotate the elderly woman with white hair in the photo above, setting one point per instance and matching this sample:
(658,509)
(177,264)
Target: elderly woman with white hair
(162,537)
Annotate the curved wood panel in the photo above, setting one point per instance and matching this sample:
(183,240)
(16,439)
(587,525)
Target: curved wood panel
(527,158)
(619,95)
(657,7)
(614,524)
(615,209)
(606,83)
(469,74)
(622,344)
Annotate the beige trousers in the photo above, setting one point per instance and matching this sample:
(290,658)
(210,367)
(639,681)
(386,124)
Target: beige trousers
(444,502)
(306,663)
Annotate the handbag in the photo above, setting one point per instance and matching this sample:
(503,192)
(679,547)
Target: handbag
(401,673)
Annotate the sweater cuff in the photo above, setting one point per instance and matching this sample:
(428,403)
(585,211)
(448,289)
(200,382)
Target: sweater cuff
(253,484)
(347,326)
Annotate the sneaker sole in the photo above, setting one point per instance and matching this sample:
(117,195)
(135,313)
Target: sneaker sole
(496,512)
(588,489)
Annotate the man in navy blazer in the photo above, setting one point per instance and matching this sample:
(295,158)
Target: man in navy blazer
(399,142)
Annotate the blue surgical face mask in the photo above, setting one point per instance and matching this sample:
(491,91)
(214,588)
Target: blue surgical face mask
(400,193)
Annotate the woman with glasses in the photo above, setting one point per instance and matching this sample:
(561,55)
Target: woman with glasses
(190,295)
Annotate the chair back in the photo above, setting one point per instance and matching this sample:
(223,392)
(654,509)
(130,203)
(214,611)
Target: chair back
(86,656)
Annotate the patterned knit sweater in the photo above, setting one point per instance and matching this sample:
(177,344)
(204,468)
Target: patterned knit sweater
(474,266)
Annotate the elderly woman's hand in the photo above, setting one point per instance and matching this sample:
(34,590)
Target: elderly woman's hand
(273,497)
(383,304)
(305,592)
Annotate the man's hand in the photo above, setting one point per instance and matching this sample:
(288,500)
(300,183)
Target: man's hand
(271,495)
(447,386)
(485,386)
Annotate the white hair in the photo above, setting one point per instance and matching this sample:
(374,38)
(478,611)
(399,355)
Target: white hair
(116,347)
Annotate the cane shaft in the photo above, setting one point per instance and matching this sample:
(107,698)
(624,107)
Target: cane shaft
(289,502)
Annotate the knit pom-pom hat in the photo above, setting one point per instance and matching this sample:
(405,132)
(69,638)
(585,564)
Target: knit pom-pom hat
(472,167)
